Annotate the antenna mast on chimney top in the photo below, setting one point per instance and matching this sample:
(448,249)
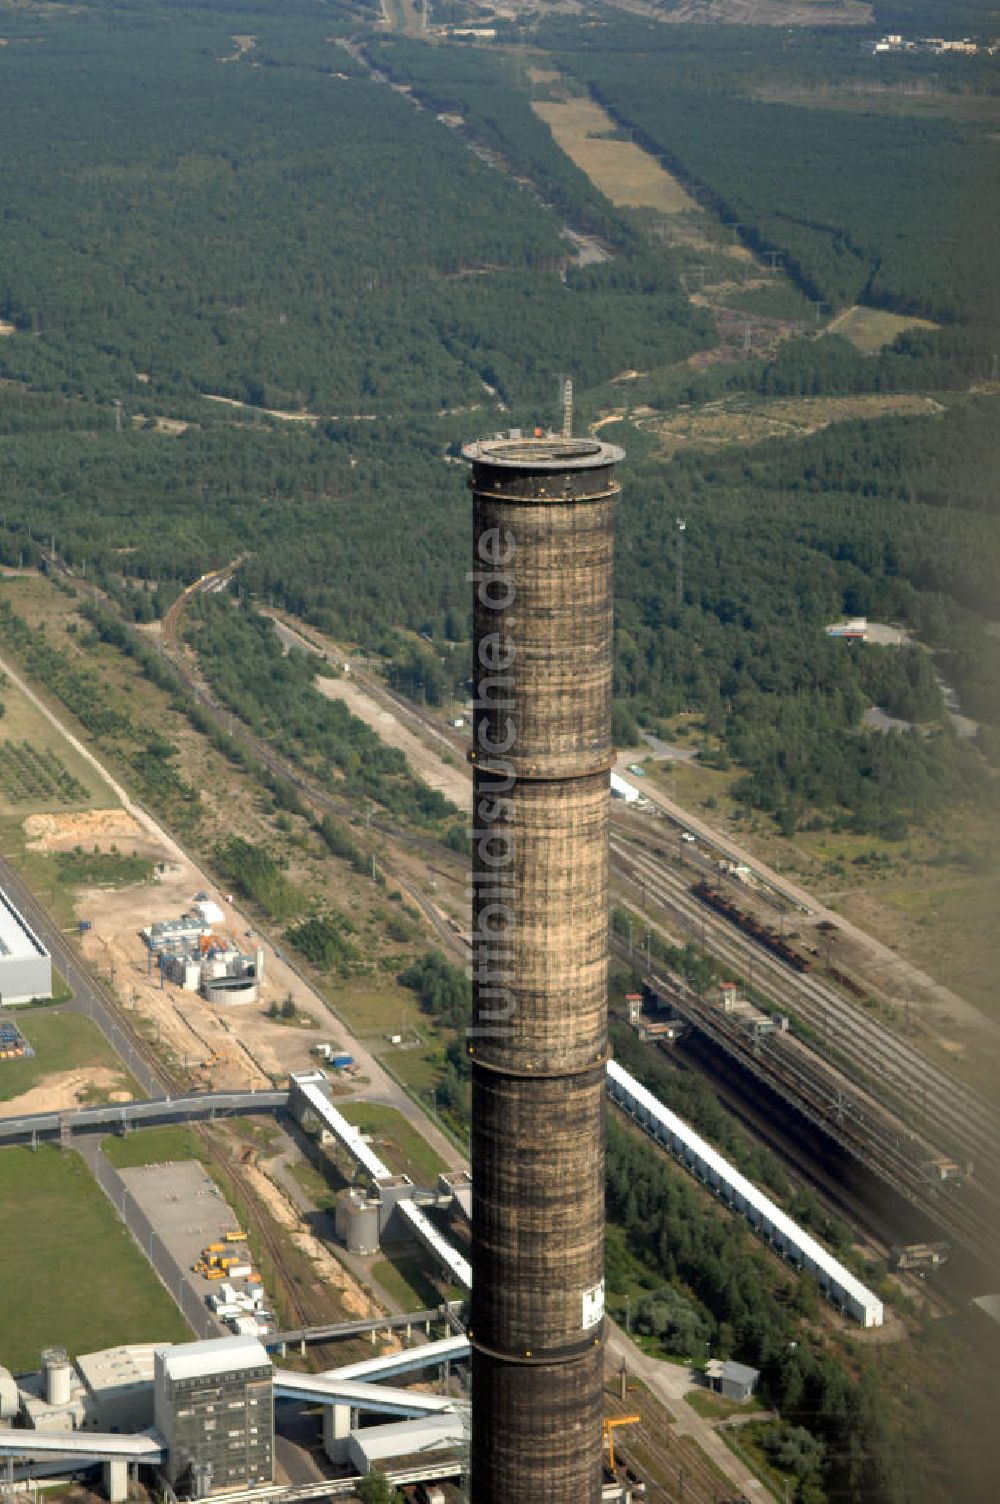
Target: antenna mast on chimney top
(567,407)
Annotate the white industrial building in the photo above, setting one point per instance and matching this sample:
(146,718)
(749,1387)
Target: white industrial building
(110,1390)
(25,964)
(386,1448)
(622,789)
(838,1284)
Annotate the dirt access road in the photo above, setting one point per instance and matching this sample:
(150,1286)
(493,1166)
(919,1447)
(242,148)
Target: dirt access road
(428,763)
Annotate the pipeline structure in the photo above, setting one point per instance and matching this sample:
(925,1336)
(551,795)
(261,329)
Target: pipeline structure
(541,756)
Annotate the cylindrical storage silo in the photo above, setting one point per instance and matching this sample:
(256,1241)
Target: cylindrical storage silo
(58,1375)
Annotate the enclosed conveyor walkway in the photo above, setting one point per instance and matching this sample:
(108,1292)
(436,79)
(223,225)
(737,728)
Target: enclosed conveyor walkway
(374,1399)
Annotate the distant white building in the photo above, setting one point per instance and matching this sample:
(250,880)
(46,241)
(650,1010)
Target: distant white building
(207,910)
(855,630)
(25,964)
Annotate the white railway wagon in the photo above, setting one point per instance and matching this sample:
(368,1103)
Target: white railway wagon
(838,1284)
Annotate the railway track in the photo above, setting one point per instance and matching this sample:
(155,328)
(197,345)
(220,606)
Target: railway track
(673,1468)
(231,1168)
(841,1109)
(897,1074)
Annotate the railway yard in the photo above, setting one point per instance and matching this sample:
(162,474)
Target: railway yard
(870,1090)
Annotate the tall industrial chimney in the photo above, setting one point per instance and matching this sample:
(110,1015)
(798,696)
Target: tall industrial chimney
(542,571)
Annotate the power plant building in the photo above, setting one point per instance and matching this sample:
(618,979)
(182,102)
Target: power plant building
(25,964)
(542,571)
(213,1405)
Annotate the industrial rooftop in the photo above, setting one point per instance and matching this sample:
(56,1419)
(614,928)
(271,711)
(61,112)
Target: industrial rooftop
(16,940)
(190,1360)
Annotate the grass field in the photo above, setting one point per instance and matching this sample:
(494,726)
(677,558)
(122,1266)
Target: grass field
(399,1144)
(100,869)
(152,1146)
(929,897)
(885,99)
(373,1010)
(316,1186)
(37,777)
(71,1272)
(62,1042)
(623,172)
(418,1071)
(871,329)
(404,1276)
(715,1407)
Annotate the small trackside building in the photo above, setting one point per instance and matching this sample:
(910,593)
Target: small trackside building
(734,1381)
(838,1284)
(25,964)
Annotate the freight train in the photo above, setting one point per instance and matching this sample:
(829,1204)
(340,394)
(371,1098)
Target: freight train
(764,934)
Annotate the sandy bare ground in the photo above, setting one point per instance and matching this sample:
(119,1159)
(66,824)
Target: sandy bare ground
(891,971)
(243,1046)
(103,828)
(427,764)
(243,45)
(270,412)
(252,1046)
(174,426)
(66,1089)
(328,1271)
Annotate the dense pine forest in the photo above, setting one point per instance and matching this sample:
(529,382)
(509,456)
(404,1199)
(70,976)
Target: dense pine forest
(275,228)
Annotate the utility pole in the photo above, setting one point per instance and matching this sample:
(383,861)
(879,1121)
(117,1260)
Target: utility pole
(681,529)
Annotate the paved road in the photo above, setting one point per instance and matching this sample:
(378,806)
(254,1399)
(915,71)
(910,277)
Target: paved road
(91,999)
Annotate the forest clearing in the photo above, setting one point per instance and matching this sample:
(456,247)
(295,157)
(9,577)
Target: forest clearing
(745,420)
(872,329)
(629,176)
